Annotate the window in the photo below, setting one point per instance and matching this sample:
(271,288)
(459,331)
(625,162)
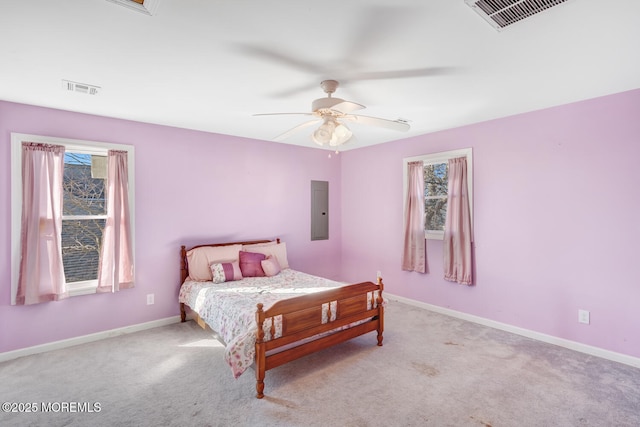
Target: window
(84,207)
(84,212)
(435,196)
(435,188)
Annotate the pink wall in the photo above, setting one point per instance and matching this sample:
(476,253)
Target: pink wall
(556,207)
(191,187)
(555,195)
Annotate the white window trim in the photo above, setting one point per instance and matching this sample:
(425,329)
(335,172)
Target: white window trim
(87,147)
(441,157)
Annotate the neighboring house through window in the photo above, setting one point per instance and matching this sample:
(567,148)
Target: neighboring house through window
(84,212)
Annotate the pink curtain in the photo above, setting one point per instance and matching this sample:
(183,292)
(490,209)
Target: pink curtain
(41,275)
(115,271)
(457,231)
(414,255)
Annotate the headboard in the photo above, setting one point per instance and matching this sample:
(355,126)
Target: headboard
(184,265)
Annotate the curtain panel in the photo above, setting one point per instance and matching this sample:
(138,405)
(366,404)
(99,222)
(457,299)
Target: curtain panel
(414,254)
(115,271)
(457,251)
(41,276)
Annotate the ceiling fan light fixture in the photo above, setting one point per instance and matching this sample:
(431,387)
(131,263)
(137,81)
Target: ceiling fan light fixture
(332,133)
(341,134)
(324,133)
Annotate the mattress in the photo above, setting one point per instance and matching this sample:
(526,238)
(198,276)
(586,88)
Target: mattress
(229,308)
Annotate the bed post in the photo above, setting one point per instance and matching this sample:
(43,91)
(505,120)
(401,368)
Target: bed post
(183,276)
(260,353)
(380,311)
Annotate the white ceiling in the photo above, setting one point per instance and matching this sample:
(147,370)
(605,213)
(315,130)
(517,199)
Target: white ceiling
(210,65)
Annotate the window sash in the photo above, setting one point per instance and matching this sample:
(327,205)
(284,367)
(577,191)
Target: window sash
(81,250)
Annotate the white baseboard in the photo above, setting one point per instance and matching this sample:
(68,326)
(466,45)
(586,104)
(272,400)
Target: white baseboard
(56,345)
(572,345)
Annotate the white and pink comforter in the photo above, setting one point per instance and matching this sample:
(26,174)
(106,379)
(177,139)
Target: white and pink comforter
(229,308)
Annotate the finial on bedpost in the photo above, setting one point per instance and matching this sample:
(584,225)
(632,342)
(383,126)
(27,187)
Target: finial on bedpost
(259,322)
(381,286)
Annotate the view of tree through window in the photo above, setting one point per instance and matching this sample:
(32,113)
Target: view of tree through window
(436,179)
(83,215)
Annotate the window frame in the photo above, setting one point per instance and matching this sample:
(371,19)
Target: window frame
(71,145)
(435,158)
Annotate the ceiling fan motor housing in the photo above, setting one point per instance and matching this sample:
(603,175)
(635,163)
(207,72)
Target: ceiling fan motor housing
(325,103)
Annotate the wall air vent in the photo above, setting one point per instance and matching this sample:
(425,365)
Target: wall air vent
(502,13)
(80,87)
(148,7)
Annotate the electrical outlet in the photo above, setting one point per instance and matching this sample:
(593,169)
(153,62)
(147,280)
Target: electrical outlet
(149,299)
(583,316)
(378,274)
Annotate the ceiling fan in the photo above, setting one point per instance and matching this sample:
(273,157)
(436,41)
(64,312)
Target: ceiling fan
(332,113)
(372,25)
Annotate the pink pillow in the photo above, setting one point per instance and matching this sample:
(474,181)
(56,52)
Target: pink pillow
(277,250)
(250,264)
(225,271)
(270,266)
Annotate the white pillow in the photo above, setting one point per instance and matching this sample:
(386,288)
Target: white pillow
(248,248)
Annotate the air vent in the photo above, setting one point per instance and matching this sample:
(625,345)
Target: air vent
(148,7)
(502,13)
(80,87)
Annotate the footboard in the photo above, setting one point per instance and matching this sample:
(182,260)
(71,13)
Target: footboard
(303,325)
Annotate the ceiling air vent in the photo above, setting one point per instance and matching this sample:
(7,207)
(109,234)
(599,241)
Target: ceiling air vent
(80,87)
(502,13)
(148,7)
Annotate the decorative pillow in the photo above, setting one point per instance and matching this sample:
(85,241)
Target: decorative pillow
(250,264)
(225,271)
(270,266)
(200,260)
(278,251)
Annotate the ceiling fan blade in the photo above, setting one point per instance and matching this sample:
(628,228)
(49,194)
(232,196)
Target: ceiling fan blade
(376,121)
(293,130)
(272,55)
(283,114)
(293,91)
(347,107)
(400,74)
(375,25)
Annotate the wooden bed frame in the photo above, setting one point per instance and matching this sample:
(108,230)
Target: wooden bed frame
(302,320)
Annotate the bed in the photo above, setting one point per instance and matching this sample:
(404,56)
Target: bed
(271,315)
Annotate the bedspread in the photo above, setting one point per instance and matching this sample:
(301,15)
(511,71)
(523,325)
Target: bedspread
(229,308)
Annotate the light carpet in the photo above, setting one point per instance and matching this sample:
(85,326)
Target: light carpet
(433,370)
